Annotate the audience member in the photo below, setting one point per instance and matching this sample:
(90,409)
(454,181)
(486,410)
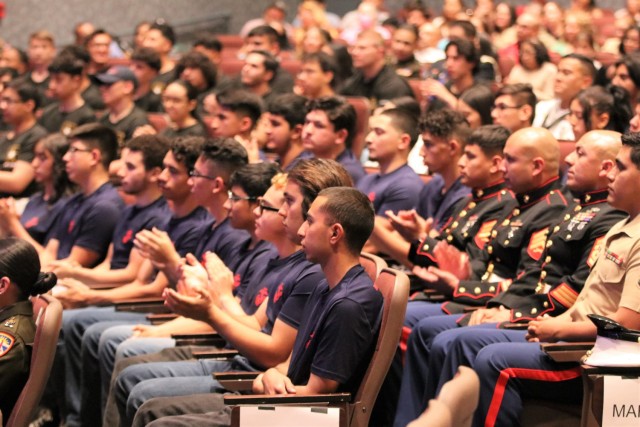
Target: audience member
(97,44)
(534,68)
(514,106)
(146,64)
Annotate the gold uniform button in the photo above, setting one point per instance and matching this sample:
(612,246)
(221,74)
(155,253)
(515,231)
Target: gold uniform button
(545,304)
(505,222)
(552,192)
(534,310)
(485,276)
(543,274)
(569,236)
(425,248)
(490,268)
(566,217)
(449,238)
(465,234)
(549,243)
(455,224)
(547,260)
(462,289)
(556,228)
(577,208)
(587,198)
(490,250)
(494,233)
(526,198)
(472,205)
(518,314)
(503,192)
(492,288)
(477,290)
(516,212)
(506,242)
(463,214)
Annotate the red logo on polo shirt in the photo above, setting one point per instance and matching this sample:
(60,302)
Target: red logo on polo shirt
(127,236)
(278,293)
(236,280)
(309,340)
(32,222)
(261,296)
(372,196)
(72,224)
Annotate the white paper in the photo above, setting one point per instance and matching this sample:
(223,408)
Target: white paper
(621,407)
(288,416)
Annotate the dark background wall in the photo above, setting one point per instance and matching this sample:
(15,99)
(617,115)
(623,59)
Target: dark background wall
(120,16)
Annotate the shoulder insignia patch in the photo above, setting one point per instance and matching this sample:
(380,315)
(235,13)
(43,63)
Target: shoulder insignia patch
(595,251)
(6,342)
(537,243)
(484,233)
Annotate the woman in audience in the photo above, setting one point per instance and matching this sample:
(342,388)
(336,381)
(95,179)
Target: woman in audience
(37,222)
(20,277)
(597,108)
(627,75)
(535,68)
(315,40)
(476,104)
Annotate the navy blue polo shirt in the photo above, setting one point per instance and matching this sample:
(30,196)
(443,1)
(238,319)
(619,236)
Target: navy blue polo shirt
(185,231)
(134,219)
(395,191)
(324,345)
(433,203)
(223,240)
(89,221)
(39,217)
(250,272)
(351,163)
(291,281)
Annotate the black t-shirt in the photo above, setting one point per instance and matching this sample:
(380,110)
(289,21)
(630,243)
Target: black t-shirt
(125,127)
(384,86)
(54,120)
(42,88)
(93,97)
(20,147)
(197,129)
(150,102)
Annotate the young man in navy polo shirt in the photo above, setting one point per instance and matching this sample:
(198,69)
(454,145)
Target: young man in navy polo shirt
(328,133)
(85,228)
(285,117)
(392,134)
(141,167)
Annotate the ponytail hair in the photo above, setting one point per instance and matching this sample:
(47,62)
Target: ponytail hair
(19,262)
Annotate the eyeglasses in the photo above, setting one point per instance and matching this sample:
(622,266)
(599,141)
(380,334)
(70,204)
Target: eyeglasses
(234,197)
(268,208)
(502,107)
(74,150)
(195,174)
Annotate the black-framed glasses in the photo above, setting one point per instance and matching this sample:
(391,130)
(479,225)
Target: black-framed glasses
(195,174)
(73,149)
(502,107)
(234,197)
(267,208)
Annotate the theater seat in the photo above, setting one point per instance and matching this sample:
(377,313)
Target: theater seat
(47,312)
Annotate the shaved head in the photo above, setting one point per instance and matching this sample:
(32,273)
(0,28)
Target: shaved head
(539,142)
(607,143)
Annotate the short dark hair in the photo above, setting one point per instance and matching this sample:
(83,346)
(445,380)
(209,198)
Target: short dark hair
(203,63)
(522,94)
(290,106)
(187,149)
(269,61)
(490,138)
(466,49)
(208,41)
(404,121)
(327,63)
(165,29)
(148,56)
(314,175)
(467,27)
(254,178)
(67,64)
(340,113)
(26,92)
(227,154)
(152,147)
(632,62)
(241,102)
(97,32)
(353,210)
(632,140)
(586,64)
(96,135)
(192,92)
(78,52)
(264,30)
(445,124)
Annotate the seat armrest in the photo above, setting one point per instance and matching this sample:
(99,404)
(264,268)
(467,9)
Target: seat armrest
(236,381)
(148,305)
(215,354)
(210,339)
(159,318)
(290,399)
(514,326)
(566,351)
